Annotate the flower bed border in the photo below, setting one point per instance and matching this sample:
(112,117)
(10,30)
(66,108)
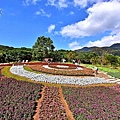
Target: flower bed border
(65,72)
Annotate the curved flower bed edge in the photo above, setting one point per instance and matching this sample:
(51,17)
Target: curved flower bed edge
(65,72)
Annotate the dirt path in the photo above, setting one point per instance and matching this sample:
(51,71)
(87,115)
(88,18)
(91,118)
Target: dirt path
(68,112)
(62,101)
(36,116)
(102,74)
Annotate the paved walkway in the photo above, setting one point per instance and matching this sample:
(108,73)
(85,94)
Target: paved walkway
(19,70)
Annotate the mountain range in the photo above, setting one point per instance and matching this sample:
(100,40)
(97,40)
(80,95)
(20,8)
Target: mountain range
(113,49)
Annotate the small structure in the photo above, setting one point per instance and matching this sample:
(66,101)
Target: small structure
(73,61)
(48,59)
(26,61)
(64,60)
(23,61)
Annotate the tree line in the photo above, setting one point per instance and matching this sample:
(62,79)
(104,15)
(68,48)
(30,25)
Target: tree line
(44,48)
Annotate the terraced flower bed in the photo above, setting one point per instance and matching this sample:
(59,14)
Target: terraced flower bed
(94,103)
(51,107)
(68,72)
(57,79)
(18,99)
(64,66)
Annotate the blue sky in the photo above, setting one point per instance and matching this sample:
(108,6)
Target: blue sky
(71,24)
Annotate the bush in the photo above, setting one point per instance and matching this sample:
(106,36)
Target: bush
(18,99)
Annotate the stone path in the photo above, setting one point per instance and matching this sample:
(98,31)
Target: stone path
(19,70)
(110,78)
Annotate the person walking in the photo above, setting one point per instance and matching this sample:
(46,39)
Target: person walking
(79,61)
(96,70)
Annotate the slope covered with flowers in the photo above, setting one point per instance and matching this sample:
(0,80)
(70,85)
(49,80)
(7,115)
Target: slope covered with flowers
(18,99)
(94,103)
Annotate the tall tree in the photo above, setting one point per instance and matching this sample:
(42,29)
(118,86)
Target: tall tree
(42,48)
(72,55)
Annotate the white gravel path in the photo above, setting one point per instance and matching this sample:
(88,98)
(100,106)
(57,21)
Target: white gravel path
(19,70)
(60,66)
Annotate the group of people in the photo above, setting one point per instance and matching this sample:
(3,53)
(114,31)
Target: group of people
(74,61)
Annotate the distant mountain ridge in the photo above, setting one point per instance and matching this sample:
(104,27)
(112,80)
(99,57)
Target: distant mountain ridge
(115,46)
(4,47)
(113,49)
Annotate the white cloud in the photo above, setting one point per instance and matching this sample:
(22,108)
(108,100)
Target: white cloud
(1,11)
(102,17)
(42,13)
(59,3)
(62,3)
(28,2)
(35,1)
(82,3)
(85,3)
(105,41)
(51,2)
(74,45)
(75,3)
(71,13)
(51,28)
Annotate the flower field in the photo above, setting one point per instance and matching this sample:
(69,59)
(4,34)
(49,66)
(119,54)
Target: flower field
(18,99)
(93,103)
(51,107)
(68,72)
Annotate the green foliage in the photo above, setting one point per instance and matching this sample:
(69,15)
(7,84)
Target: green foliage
(88,57)
(110,71)
(113,49)
(72,55)
(6,72)
(42,48)
(11,54)
(114,74)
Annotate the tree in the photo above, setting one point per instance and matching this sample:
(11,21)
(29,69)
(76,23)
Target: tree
(95,60)
(113,60)
(42,48)
(72,55)
(2,57)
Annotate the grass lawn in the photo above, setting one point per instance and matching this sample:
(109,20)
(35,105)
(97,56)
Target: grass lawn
(110,71)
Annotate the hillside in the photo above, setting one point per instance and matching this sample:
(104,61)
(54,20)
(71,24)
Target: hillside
(3,48)
(113,49)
